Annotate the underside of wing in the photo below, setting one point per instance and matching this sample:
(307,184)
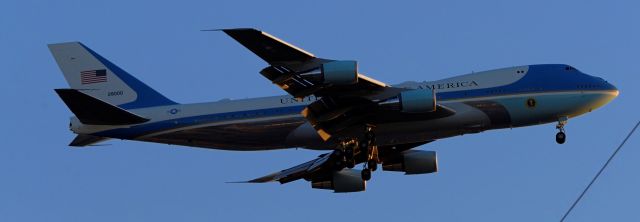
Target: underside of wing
(296,172)
(86,140)
(329,172)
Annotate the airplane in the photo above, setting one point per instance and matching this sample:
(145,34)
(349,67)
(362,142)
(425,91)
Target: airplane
(330,106)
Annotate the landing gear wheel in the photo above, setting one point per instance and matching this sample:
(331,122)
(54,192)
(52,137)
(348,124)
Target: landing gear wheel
(372,164)
(561,137)
(366,174)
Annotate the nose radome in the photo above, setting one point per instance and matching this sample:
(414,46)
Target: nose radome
(610,94)
(613,88)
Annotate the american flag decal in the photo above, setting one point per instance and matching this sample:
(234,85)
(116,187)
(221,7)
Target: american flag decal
(93,76)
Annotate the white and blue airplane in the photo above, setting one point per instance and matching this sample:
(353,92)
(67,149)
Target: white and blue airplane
(330,106)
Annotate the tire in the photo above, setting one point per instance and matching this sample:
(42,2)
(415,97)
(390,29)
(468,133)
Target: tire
(561,137)
(366,174)
(373,165)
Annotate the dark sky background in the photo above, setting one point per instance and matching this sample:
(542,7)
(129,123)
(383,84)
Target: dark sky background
(505,175)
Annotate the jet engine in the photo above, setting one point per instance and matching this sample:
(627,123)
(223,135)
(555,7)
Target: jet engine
(340,72)
(346,180)
(334,73)
(413,162)
(417,101)
(412,101)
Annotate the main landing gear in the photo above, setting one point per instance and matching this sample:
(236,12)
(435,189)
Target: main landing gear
(561,137)
(364,150)
(370,153)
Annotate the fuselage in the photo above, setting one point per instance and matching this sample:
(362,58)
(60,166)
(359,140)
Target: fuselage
(502,98)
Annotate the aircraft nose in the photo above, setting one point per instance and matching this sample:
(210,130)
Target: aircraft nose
(609,94)
(613,88)
(606,86)
(604,94)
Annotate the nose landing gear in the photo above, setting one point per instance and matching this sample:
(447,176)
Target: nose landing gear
(561,137)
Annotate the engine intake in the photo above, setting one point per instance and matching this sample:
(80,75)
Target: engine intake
(346,180)
(418,101)
(413,162)
(340,72)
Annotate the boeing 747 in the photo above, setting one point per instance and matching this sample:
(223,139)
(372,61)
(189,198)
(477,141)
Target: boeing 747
(330,106)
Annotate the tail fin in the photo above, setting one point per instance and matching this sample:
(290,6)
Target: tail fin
(94,75)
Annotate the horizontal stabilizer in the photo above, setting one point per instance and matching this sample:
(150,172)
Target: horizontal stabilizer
(86,140)
(94,111)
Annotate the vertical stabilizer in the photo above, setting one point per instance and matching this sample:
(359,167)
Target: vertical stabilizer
(92,74)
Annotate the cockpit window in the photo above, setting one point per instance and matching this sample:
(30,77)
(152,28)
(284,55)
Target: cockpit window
(569,68)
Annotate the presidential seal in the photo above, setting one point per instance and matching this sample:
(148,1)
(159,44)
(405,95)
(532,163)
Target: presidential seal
(531,103)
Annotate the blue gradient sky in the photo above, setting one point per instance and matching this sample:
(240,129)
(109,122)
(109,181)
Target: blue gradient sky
(504,175)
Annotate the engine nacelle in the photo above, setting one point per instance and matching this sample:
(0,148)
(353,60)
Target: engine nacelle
(340,72)
(417,101)
(346,180)
(413,162)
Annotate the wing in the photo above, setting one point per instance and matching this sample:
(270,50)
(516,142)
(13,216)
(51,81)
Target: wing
(323,166)
(268,47)
(299,171)
(348,100)
(86,140)
(294,69)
